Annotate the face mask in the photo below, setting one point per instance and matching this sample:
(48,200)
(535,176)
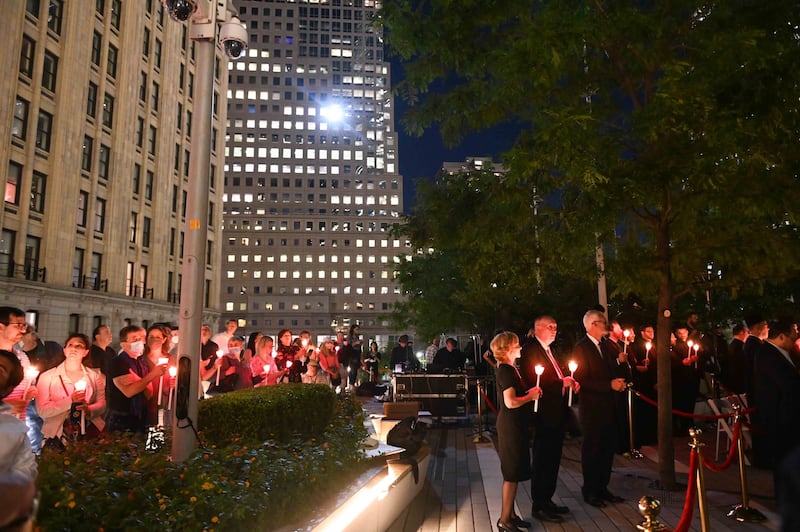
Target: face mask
(137,348)
(235,350)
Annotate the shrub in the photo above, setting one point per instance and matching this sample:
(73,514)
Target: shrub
(247,484)
(269,412)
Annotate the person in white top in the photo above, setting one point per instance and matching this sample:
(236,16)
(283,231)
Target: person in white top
(221,338)
(72,383)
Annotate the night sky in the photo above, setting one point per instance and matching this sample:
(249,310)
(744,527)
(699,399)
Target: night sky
(422,157)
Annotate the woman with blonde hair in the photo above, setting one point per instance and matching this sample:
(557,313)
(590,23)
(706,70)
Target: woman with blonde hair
(512,427)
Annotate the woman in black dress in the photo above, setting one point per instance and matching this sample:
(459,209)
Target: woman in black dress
(512,426)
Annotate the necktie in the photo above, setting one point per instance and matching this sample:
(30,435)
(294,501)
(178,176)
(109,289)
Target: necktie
(553,362)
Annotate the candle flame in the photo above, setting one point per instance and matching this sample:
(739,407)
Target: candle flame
(31,372)
(572,365)
(220,352)
(173,371)
(163,360)
(288,364)
(539,369)
(648,345)
(696,347)
(626,333)
(80,385)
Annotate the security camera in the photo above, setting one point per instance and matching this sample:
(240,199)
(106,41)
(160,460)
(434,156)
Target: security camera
(233,37)
(179,10)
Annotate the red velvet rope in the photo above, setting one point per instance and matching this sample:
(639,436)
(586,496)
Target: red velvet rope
(691,492)
(694,416)
(737,429)
(488,402)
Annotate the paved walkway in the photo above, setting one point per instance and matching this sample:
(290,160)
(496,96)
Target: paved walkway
(462,491)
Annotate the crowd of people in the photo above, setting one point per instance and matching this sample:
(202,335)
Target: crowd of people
(761,365)
(54,394)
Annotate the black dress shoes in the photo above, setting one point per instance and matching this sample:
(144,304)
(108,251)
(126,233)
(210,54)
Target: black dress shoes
(597,502)
(610,497)
(543,514)
(556,509)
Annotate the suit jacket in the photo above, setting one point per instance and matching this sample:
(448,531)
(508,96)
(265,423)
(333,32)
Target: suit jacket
(552,405)
(611,350)
(735,367)
(594,374)
(777,382)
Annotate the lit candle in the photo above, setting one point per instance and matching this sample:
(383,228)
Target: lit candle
(220,354)
(31,373)
(288,364)
(162,361)
(647,346)
(173,371)
(626,333)
(572,365)
(80,386)
(696,348)
(304,342)
(539,369)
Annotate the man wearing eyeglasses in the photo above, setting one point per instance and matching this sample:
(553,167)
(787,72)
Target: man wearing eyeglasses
(599,387)
(12,327)
(550,419)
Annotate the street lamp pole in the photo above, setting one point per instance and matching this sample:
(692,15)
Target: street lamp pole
(205,15)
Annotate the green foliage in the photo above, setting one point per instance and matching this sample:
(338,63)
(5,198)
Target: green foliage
(246,484)
(275,412)
(665,132)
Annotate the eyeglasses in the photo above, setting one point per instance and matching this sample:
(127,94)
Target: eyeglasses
(21,325)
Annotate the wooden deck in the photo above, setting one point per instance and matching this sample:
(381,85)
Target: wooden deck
(462,491)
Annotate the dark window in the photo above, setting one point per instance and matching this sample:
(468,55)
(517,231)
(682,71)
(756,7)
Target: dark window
(116,13)
(146,232)
(83,204)
(104,162)
(108,110)
(112,61)
(132,227)
(77,272)
(97,48)
(49,72)
(148,186)
(19,127)
(86,156)
(54,14)
(137,178)
(38,188)
(44,129)
(26,56)
(99,215)
(91,100)
(32,7)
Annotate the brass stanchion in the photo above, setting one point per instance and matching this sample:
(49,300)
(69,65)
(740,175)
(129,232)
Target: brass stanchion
(480,438)
(695,433)
(650,507)
(634,452)
(743,512)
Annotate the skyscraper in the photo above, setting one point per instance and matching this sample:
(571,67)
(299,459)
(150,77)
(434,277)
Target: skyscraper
(311,183)
(96,105)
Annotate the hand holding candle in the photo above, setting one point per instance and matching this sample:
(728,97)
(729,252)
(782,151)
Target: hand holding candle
(572,365)
(162,361)
(220,354)
(539,369)
(80,386)
(173,371)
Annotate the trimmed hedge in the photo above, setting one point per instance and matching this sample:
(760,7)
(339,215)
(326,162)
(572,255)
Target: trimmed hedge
(269,412)
(244,484)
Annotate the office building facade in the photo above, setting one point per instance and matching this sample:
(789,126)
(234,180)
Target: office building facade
(96,109)
(312,188)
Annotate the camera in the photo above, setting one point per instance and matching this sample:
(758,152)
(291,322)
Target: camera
(233,37)
(179,10)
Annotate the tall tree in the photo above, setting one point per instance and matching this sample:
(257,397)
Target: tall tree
(665,131)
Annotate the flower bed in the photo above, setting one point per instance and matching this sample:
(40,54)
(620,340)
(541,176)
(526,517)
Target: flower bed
(246,484)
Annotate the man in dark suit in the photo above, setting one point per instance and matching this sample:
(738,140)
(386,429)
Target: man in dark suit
(598,419)
(550,418)
(615,348)
(734,372)
(777,382)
